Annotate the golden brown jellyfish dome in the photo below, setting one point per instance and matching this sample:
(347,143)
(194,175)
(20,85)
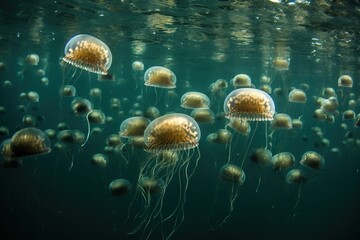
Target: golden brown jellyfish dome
(297,96)
(133,126)
(203,115)
(312,160)
(282,161)
(281,120)
(281,64)
(151,185)
(232,173)
(345,81)
(295,176)
(194,100)
(241,80)
(172,132)
(29,142)
(250,104)
(88,53)
(161,77)
(241,126)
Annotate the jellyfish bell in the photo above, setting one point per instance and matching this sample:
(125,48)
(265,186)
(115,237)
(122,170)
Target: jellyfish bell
(297,123)
(250,104)
(160,77)
(120,187)
(313,160)
(282,161)
(172,131)
(348,115)
(29,142)
(133,126)
(241,80)
(32,97)
(95,92)
(195,100)
(81,106)
(96,116)
(6,153)
(297,96)
(152,113)
(232,173)
(203,115)
(88,53)
(281,121)
(67,91)
(241,126)
(296,176)
(261,155)
(281,64)
(32,59)
(100,160)
(151,185)
(345,81)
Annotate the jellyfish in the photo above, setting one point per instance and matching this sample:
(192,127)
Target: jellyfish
(261,156)
(120,187)
(297,96)
(81,106)
(252,105)
(32,59)
(29,142)
(313,160)
(133,126)
(67,91)
(298,177)
(88,53)
(137,70)
(194,100)
(159,77)
(345,81)
(281,121)
(236,176)
(6,153)
(99,160)
(282,160)
(203,115)
(171,141)
(152,113)
(348,114)
(281,65)
(241,80)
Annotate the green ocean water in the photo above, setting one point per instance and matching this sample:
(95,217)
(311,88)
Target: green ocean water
(64,195)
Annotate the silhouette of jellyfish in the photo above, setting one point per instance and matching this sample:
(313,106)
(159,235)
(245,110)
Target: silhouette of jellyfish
(297,96)
(159,77)
(345,81)
(241,80)
(120,187)
(203,115)
(29,142)
(261,156)
(235,175)
(312,160)
(282,160)
(296,176)
(67,91)
(81,106)
(8,161)
(133,126)
(88,53)
(171,141)
(281,65)
(99,160)
(281,121)
(195,100)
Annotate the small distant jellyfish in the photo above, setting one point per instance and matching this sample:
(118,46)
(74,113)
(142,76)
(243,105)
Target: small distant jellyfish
(8,161)
(7,84)
(281,64)
(328,92)
(312,160)
(261,156)
(240,125)
(297,96)
(345,81)
(133,126)
(232,173)
(152,113)
(330,105)
(88,53)
(95,92)
(281,121)
(81,106)
(223,136)
(113,140)
(51,133)
(250,104)
(160,77)
(349,114)
(33,97)
(297,124)
(99,160)
(241,80)
(29,142)
(115,103)
(203,115)
(282,161)
(119,187)
(320,114)
(4,131)
(151,185)
(29,120)
(296,176)
(137,66)
(32,59)
(67,91)
(44,81)
(96,116)
(195,100)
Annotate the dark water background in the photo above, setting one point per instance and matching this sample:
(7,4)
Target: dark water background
(200,41)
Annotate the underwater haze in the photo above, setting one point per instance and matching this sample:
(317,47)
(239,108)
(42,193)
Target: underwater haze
(179,119)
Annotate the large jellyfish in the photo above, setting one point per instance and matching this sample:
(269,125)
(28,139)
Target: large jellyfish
(171,140)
